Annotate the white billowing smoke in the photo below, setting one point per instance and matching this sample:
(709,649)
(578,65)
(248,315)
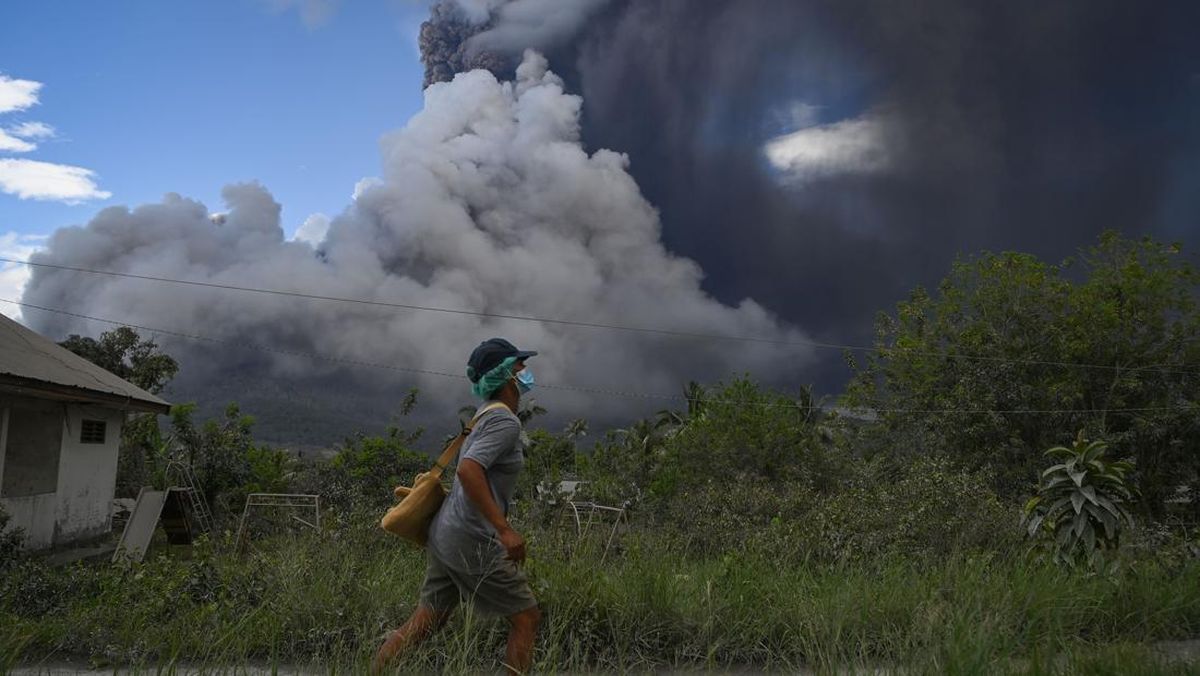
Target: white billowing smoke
(478,11)
(487,203)
(521,24)
(313,229)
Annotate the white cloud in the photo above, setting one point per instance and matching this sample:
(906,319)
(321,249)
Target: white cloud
(29,179)
(13,276)
(18,138)
(17,94)
(313,230)
(850,146)
(364,185)
(32,130)
(10,143)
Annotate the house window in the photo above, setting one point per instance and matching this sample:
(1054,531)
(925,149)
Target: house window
(34,444)
(93,432)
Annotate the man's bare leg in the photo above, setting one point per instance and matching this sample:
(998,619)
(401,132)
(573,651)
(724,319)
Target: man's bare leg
(423,622)
(524,626)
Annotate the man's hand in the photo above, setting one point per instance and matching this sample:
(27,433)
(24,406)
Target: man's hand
(473,478)
(513,544)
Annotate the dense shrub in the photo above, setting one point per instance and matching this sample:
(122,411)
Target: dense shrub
(923,507)
(745,430)
(364,471)
(742,511)
(1083,503)
(735,430)
(927,507)
(549,458)
(619,467)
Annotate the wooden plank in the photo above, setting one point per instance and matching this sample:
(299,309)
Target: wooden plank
(139,530)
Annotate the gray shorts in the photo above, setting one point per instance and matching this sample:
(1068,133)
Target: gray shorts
(502,591)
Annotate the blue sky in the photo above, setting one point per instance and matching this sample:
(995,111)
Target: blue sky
(157,97)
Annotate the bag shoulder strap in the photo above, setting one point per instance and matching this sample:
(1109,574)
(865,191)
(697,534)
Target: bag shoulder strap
(451,451)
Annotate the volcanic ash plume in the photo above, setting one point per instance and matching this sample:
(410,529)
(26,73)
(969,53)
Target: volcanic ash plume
(487,203)
(443,41)
(463,35)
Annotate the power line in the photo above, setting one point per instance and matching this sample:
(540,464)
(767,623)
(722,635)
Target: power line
(422,308)
(568,388)
(598,325)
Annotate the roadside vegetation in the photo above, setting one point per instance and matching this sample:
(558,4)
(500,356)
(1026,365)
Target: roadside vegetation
(948,514)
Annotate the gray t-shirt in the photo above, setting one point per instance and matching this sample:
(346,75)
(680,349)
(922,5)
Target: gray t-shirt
(459,535)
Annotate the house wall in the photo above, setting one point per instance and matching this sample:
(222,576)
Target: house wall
(87,476)
(78,504)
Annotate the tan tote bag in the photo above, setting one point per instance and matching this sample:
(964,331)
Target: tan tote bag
(410,518)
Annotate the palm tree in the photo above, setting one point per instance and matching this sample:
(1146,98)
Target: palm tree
(529,409)
(643,436)
(807,405)
(672,421)
(575,429)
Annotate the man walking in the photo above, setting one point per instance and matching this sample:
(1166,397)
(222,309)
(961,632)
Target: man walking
(473,553)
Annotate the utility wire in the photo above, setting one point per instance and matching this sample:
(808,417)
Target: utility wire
(568,388)
(599,325)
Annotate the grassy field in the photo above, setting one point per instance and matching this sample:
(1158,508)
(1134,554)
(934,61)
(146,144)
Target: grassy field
(326,601)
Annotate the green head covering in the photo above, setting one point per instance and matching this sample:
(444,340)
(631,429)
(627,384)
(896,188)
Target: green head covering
(492,380)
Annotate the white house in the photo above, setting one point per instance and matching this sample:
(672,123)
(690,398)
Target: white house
(60,428)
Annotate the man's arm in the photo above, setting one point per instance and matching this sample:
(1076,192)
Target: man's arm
(473,478)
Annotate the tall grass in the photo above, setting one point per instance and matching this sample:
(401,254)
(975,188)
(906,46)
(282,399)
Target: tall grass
(330,600)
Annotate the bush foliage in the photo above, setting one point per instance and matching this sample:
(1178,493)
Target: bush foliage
(1011,354)
(1081,502)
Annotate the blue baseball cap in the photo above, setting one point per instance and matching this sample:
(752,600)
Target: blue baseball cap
(490,354)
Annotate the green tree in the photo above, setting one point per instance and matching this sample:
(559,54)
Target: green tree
(219,452)
(365,469)
(1011,351)
(742,429)
(730,432)
(123,352)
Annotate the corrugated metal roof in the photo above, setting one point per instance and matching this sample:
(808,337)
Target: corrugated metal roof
(31,361)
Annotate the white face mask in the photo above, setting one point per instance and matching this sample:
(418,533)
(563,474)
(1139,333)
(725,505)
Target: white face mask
(524,380)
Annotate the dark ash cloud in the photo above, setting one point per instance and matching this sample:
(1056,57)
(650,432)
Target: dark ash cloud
(1026,125)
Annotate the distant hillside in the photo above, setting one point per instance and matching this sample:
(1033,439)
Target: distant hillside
(306,419)
(313,417)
